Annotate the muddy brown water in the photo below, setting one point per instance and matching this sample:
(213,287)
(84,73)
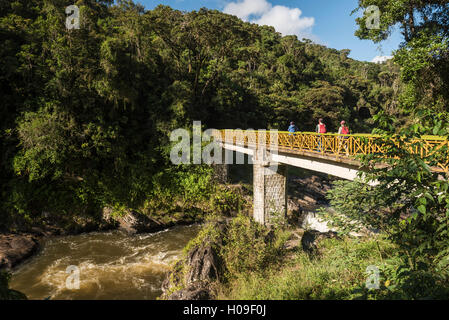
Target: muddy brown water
(111,265)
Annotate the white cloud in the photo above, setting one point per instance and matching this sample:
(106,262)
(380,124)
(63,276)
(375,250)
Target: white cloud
(380,59)
(246,8)
(287,21)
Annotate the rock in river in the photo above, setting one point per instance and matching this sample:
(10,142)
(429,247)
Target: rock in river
(191,277)
(14,248)
(134,222)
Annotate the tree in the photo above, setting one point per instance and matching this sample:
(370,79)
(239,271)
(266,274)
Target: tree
(86,113)
(408,185)
(424,55)
(412,17)
(326,101)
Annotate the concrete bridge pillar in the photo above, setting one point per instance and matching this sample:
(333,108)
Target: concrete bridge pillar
(269,188)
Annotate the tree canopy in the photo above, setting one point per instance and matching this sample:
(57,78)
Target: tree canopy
(86,113)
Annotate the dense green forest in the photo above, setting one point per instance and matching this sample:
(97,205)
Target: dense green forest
(86,114)
(409,205)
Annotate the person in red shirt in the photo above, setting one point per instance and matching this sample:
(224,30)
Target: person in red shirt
(343,139)
(320,128)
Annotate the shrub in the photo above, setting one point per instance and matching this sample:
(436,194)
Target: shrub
(227,201)
(251,247)
(338,273)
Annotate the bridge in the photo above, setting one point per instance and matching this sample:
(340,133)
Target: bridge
(271,152)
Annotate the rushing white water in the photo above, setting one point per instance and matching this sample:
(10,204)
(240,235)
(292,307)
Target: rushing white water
(111,265)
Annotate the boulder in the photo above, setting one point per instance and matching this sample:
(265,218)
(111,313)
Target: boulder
(196,271)
(310,239)
(15,248)
(203,265)
(133,222)
(309,190)
(193,292)
(194,274)
(294,241)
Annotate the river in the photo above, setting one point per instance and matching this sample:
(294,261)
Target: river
(111,265)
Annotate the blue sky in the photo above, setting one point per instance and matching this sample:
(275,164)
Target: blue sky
(325,21)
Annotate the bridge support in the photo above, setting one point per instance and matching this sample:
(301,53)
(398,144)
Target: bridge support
(269,188)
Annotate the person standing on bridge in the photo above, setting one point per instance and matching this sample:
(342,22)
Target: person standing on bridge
(343,139)
(320,128)
(292,129)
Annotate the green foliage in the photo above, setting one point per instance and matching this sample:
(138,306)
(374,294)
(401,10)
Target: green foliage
(415,194)
(423,56)
(402,282)
(180,188)
(355,205)
(410,206)
(227,201)
(243,245)
(338,273)
(424,63)
(86,114)
(208,234)
(251,247)
(412,16)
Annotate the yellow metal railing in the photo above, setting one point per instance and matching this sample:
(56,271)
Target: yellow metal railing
(341,147)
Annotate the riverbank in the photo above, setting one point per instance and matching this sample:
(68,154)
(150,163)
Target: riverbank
(18,247)
(178,197)
(239,259)
(22,240)
(229,246)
